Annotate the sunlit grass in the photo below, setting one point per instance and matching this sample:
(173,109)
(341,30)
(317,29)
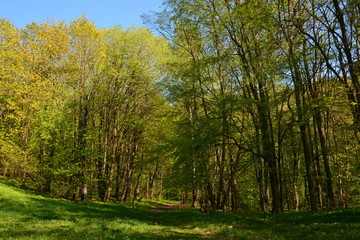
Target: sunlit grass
(26,215)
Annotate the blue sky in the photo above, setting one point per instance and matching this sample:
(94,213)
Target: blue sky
(104,13)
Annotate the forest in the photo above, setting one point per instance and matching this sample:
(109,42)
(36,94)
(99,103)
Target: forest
(225,105)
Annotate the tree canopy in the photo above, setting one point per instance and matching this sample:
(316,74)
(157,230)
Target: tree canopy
(237,106)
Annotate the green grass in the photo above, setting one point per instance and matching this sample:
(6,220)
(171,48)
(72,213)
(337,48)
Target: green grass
(26,215)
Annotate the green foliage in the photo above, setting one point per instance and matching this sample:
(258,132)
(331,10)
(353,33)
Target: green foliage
(83,103)
(230,111)
(26,215)
(260,98)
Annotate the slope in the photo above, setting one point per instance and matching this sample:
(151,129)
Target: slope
(27,215)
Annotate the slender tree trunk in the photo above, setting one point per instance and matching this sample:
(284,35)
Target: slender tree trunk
(232,184)
(317,168)
(259,178)
(296,76)
(119,173)
(211,196)
(136,188)
(326,158)
(153,177)
(110,181)
(269,151)
(84,112)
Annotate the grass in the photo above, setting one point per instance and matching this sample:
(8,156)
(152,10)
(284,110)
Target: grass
(26,215)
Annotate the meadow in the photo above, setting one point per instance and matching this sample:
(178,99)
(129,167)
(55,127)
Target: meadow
(28,215)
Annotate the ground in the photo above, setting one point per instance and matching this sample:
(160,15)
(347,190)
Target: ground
(27,215)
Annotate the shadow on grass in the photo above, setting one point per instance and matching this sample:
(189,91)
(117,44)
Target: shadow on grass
(35,217)
(339,224)
(129,215)
(25,215)
(89,210)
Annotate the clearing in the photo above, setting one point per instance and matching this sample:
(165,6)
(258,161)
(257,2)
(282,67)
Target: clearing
(27,215)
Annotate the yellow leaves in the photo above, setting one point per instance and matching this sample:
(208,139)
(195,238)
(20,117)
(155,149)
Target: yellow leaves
(10,152)
(137,49)
(47,43)
(10,51)
(48,60)
(82,27)
(87,51)
(8,33)
(85,36)
(315,105)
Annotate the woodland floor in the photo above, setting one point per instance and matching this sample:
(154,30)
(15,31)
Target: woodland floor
(27,215)
(166,206)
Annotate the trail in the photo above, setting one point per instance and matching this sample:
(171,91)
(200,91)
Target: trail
(165,207)
(172,219)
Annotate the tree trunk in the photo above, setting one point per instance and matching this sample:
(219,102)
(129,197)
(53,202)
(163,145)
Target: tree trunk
(296,76)
(326,158)
(83,119)
(269,151)
(110,182)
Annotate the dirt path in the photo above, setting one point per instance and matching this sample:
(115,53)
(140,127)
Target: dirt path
(178,231)
(165,207)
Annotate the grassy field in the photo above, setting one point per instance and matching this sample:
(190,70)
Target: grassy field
(25,215)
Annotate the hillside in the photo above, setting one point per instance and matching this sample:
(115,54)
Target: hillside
(26,215)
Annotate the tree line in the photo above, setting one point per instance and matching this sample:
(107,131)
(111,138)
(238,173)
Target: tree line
(81,113)
(267,94)
(239,106)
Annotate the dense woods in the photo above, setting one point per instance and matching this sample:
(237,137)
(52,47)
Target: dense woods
(81,110)
(238,106)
